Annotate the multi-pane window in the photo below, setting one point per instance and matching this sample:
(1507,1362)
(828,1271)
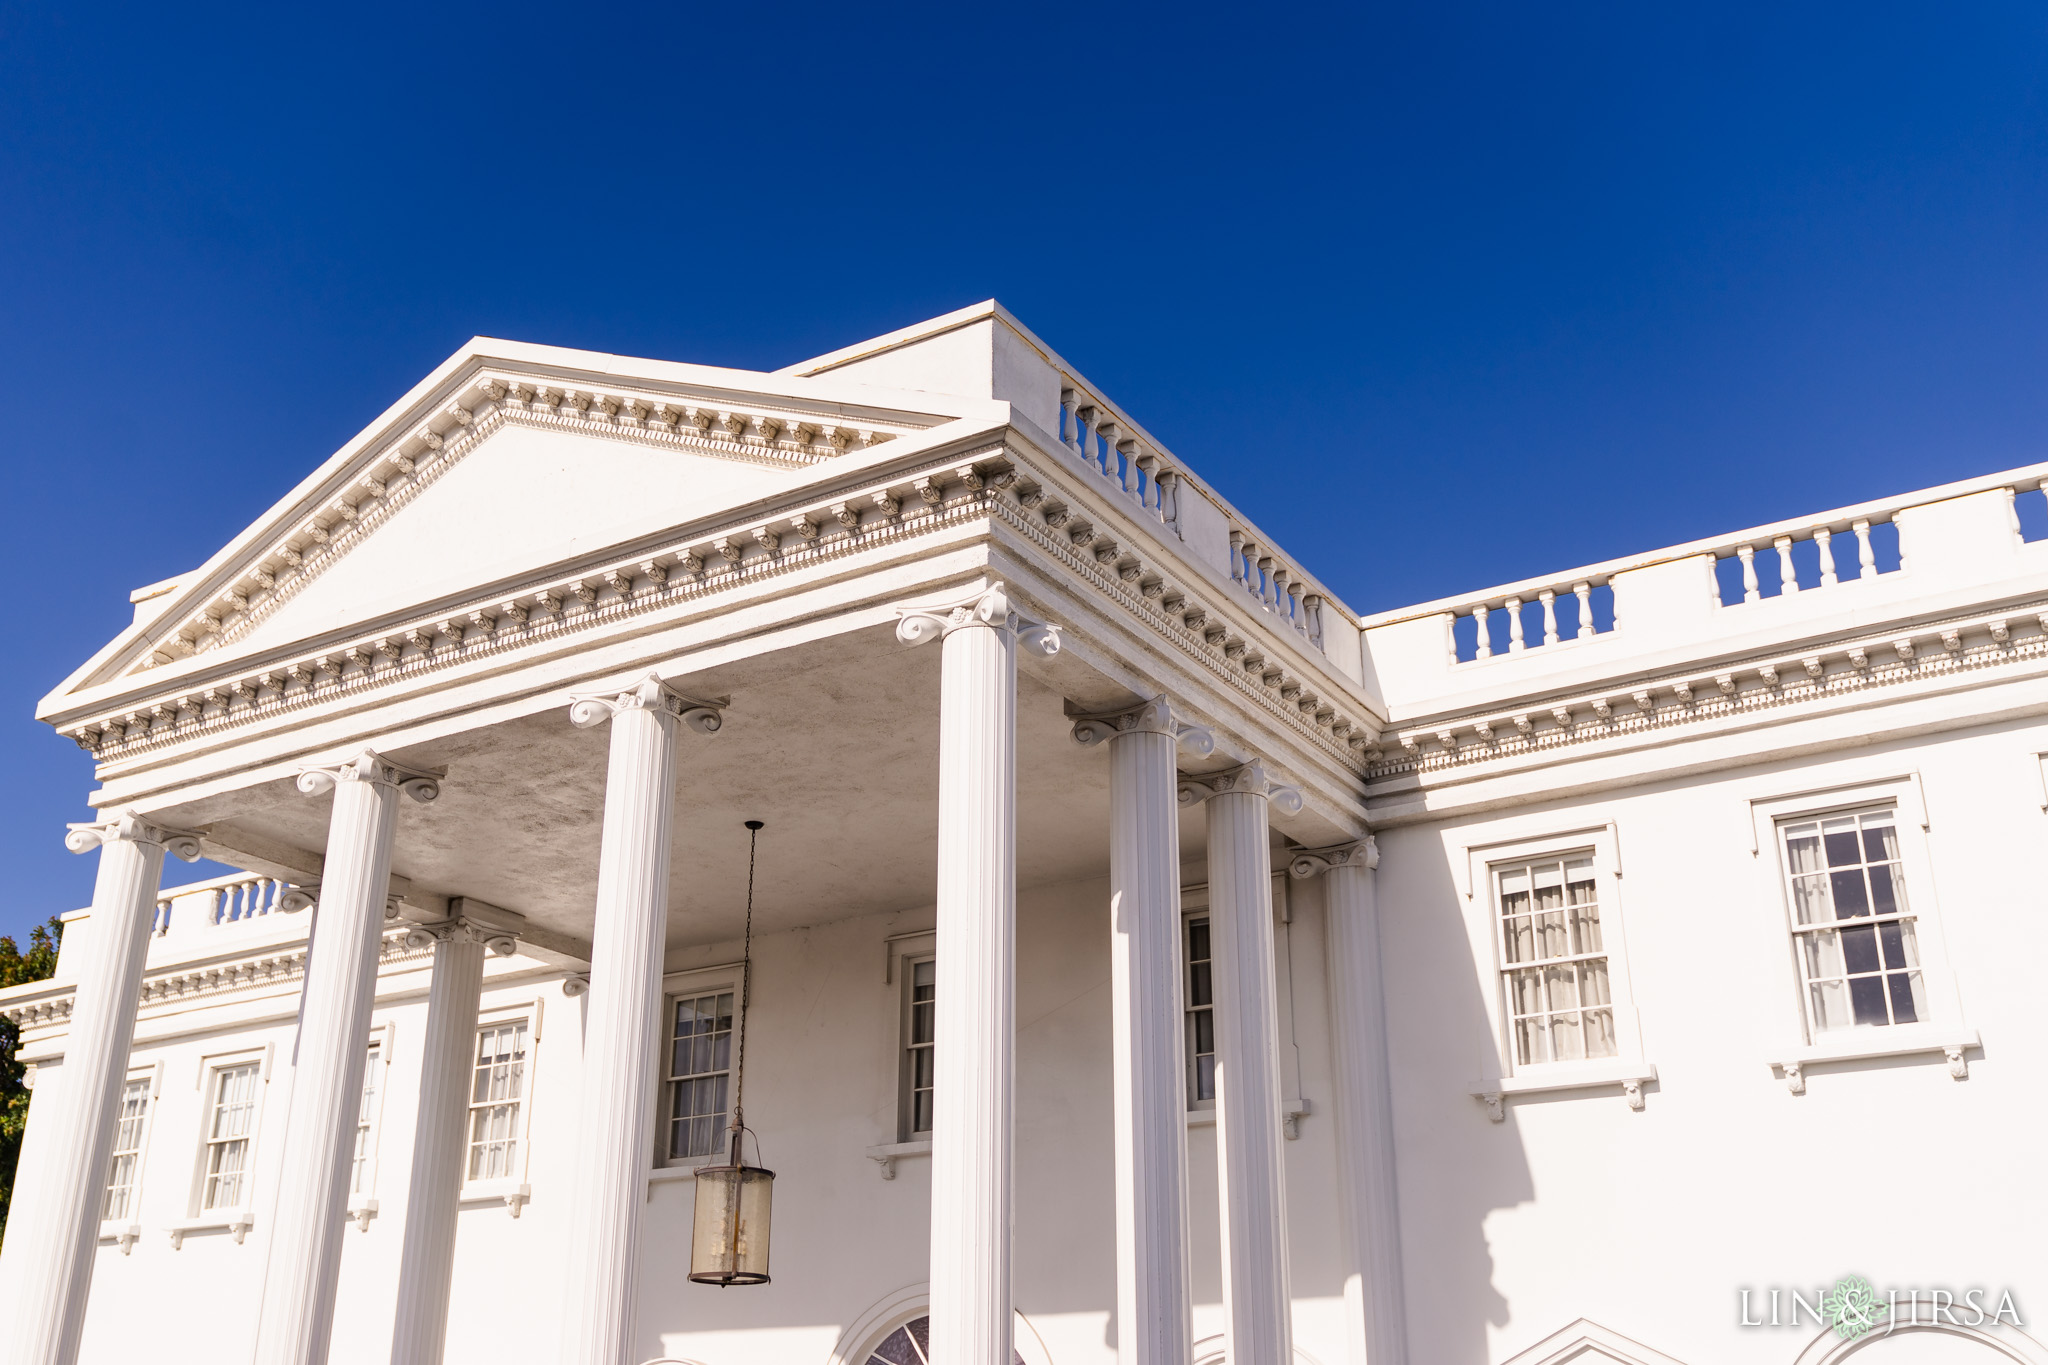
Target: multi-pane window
(699,1073)
(923,979)
(1857,957)
(497,1089)
(366,1118)
(127,1149)
(1201,1018)
(231,1117)
(1553,962)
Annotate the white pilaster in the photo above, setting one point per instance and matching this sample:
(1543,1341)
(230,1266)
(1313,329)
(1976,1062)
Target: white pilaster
(975,1013)
(1374,1312)
(622,1037)
(1148,1068)
(427,1261)
(1257,1305)
(48,1266)
(296,1314)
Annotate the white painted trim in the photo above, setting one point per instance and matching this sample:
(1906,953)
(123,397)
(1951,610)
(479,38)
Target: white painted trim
(716,976)
(1569,1344)
(2009,1342)
(859,1338)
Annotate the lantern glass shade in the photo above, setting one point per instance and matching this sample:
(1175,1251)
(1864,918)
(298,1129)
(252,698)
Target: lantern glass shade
(729,1236)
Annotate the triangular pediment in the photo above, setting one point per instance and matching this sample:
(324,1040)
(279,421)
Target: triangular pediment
(1586,1342)
(507,459)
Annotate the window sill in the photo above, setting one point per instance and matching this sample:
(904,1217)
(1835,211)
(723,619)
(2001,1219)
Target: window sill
(889,1153)
(123,1235)
(669,1175)
(1292,1112)
(235,1221)
(1866,1044)
(513,1197)
(1629,1074)
(361,1211)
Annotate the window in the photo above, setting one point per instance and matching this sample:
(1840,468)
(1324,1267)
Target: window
(1201,1018)
(910,1344)
(127,1164)
(918,1059)
(1554,964)
(230,1122)
(1858,960)
(497,1088)
(699,1074)
(366,1119)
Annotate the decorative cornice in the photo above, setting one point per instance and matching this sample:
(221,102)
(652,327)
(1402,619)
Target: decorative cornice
(978,485)
(1313,862)
(982,608)
(1756,687)
(649,694)
(1248,779)
(1156,717)
(211,980)
(386,481)
(128,827)
(421,784)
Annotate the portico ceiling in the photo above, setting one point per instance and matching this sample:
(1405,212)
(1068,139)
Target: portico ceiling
(833,743)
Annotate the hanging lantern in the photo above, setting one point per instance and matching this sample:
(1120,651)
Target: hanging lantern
(729,1235)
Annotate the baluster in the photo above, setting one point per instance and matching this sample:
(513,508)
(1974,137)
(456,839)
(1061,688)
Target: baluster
(1266,581)
(218,903)
(1084,432)
(1451,637)
(1750,592)
(1282,602)
(1866,556)
(1827,556)
(1107,429)
(1068,418)
(1549,600)
(1584,592)
(1130,470)
(1485,632)
(1148,492)
(1788,577)
(1237,556)
(1515,643)
(1169,499)
(1312,605)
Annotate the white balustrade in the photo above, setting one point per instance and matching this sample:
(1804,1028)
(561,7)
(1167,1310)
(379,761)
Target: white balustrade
(1784,542)
(1577,596)
(233,899)
(1130,463)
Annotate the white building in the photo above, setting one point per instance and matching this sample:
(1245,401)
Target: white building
(1694,956)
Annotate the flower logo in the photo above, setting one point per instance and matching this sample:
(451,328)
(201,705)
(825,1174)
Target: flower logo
(1852,1307)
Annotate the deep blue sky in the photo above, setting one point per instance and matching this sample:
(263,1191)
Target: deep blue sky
(1440,295)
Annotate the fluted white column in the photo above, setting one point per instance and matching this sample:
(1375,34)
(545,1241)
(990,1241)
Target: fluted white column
(1148,1067)
(622,1033)
(975,1012)
(48,1266)
(1368,1199)
(427,1261)
(1257,1319)
(295,1318)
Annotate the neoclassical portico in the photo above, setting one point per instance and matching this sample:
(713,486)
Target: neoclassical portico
(587,718)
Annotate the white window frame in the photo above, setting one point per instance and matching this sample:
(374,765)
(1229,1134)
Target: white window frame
(899,952)
(513,1191)
(719,978)
(1194,904)
(239,1218)
(1501,1075)
(124,1231)
(362,1204)
(1797,1046)
(1192,910)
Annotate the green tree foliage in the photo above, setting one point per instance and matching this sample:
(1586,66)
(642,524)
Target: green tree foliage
(17,967)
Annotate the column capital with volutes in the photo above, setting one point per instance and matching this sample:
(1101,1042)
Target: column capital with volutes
(1158,716)
(421,784)
(1247,779)
(1314,862)
(987,607)
(125,826)
(651,693)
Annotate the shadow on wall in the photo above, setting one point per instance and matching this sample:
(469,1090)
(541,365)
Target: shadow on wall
(1455,1166)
